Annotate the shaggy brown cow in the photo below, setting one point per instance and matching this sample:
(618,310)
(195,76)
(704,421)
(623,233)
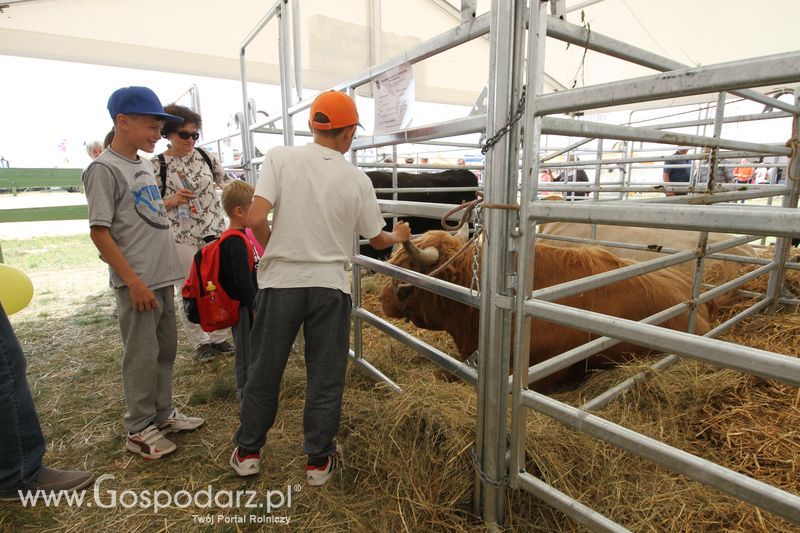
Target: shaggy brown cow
(656,237)
(633,299)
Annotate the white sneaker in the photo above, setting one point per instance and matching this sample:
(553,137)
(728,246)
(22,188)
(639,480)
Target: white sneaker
(150,443)
(245,466)
(320,475)
(178,421)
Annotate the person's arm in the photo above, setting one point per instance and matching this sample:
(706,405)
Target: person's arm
(237,271)
(257,219)
(665,176)
(384,239)
(141,296)
(181,196)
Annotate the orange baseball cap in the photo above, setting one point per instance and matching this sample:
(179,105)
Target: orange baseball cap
(338,110)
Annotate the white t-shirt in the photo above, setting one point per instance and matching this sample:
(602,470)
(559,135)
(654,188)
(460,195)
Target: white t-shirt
(320,201)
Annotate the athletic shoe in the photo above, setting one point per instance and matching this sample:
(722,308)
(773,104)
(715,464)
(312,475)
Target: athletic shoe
(150,443)
(50,480)
(320,475)
(245,466)
(223,347)
(178,421)
(205,352)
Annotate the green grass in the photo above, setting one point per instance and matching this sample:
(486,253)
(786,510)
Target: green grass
(49,253)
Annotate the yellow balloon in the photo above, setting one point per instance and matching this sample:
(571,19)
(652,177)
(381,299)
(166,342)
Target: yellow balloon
(16,289)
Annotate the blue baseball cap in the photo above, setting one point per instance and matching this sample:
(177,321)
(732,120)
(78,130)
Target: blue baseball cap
(137,101)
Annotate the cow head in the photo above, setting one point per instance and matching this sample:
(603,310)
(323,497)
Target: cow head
(425,254)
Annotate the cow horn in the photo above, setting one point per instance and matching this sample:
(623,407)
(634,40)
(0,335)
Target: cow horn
(426,257)
(463,232)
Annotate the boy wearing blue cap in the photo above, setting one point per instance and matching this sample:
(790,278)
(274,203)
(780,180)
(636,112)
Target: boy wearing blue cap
(129,227)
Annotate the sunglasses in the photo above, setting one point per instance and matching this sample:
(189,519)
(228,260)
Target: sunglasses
(186,135)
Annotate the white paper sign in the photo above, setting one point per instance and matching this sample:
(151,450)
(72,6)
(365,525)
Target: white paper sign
(394,99)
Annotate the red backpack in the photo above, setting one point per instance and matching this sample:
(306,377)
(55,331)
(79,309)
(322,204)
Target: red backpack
(204,300)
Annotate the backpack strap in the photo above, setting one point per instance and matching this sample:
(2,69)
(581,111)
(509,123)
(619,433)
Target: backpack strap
(162,173)
(206,158)
(248,245)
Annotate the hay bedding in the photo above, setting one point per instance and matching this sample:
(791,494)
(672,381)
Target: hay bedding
(406,456)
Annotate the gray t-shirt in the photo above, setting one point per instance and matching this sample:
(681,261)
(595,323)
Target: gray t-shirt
(123,196)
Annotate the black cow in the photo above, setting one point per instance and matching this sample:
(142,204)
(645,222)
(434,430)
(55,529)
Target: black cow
(448,178)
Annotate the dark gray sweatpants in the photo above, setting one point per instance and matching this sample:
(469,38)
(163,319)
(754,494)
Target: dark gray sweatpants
(325,316)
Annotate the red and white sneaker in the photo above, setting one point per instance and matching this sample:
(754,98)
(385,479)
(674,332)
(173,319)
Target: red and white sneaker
(150,443)
(320,475)
(245,466)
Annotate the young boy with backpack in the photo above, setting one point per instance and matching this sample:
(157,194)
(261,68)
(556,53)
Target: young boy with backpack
(129,226)
(237,273)
(220,289)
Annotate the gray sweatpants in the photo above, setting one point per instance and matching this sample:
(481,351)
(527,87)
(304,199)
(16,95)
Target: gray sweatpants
(243,358)
(325,315)
(150,343)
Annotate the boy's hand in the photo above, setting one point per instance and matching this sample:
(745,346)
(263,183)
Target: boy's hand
(402,231)
(142,298)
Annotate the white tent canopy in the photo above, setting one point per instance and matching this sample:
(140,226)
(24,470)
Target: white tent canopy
(203,38)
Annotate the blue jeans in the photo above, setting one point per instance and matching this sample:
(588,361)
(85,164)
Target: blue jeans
(21,439)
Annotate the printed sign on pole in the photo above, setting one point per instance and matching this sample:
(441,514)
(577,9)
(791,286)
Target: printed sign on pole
(394,98)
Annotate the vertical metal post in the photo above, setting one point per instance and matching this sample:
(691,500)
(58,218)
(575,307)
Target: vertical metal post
(376,43)
(286,80)
(537,33)
(782,244)
(598,169)
(297,50)
(357,325)
(468,10)
(244,125)
(702,242)
(507,32)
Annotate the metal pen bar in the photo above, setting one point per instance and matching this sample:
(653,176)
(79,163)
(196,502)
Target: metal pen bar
(579,353)
(582,128)
(447,289)
(726,120)
(417,209)
(645,159)
(410,190)
(602,400)
(373,372)
(452,365)
(767,70)
(365,164)
(761,494)
(719,353)
(596,281)
(747,313)
(743,219)
(451,128)
(580,36)
(567,505)
(531,145)
(717,197)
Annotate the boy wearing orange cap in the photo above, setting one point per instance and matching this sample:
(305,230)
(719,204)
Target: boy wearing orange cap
(319,200)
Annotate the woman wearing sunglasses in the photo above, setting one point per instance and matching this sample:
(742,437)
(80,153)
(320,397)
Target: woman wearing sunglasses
(187,177)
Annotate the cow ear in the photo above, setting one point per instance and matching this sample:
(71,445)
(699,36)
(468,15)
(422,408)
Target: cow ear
(404,291)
